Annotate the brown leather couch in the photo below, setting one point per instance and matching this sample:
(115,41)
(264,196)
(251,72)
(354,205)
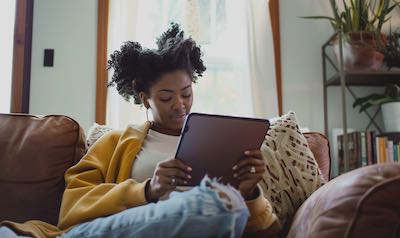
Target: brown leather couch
(35,152)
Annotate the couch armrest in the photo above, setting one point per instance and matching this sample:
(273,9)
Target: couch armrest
(35,151)
(361,203)
(319,146)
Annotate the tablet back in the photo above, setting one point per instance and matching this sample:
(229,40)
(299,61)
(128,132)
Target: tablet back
(213,144)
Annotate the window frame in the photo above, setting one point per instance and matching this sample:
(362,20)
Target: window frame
(21,69)
(102,75)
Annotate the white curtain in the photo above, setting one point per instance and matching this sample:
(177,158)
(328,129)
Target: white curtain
(7,13)
(123,18)
(261,59)
(235,37)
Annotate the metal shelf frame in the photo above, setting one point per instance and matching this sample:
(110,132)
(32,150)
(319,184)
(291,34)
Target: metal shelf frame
(345,79)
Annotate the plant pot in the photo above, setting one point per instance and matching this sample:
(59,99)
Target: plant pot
(391,116)
(360,51)
(393,60)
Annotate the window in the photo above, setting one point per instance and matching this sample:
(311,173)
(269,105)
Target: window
(235,38)
(7,13)
(216,25)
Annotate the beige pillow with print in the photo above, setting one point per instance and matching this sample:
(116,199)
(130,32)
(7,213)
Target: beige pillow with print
(292,173)
(95,132)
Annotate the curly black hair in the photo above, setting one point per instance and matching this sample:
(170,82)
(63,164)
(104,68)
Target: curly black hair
(136,69)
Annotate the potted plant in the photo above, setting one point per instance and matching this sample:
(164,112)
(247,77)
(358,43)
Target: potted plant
(392,50)
(361,22)
(389,101)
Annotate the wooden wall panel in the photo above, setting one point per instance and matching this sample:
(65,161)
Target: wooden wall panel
(21,71)
(274,14)
(101,74)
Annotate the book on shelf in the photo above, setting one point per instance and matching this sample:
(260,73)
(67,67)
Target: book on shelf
(381,149)
(396,153)
(367,147)
(374,148)
(363,149)
(334,148)
(353,151)
(369,136)
(388,149)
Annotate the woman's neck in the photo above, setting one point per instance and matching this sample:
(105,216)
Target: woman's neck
(164,130)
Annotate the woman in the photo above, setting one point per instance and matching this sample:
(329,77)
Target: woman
(121,187)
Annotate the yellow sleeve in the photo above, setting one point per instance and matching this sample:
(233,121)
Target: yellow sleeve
(88,196)
(262,219)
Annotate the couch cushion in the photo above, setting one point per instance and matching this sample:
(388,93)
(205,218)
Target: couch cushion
(361,203)
(292,172)
(34,154)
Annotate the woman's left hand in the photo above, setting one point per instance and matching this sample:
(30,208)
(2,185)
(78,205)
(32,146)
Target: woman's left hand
(249,171)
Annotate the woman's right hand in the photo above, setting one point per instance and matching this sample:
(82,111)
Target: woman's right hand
(167,175)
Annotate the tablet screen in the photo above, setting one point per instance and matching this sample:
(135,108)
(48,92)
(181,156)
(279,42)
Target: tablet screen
(213,144)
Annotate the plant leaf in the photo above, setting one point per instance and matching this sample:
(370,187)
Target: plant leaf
(319,17)
(365,99)
(365,107)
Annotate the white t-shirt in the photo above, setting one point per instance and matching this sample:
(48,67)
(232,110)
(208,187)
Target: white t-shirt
(156,147)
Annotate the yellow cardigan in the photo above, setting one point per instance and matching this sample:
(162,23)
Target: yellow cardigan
(100,185)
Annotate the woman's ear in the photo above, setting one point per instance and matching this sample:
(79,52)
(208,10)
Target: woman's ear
(145,99)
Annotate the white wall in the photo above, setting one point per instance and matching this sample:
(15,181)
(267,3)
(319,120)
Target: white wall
(7,16)
(302,88)
(68,88)
(301,41)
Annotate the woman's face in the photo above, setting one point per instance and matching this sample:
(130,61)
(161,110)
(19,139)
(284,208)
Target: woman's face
(171,99)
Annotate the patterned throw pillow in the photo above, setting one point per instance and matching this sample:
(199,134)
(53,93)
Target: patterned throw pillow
(292,173)
(95,132)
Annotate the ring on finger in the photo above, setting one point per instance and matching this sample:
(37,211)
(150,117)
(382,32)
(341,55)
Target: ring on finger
(253,169)
(173,181)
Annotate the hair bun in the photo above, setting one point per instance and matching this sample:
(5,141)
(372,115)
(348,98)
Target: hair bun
(171,37)
(136,69)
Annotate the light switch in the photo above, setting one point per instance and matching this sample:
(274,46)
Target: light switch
(48,58)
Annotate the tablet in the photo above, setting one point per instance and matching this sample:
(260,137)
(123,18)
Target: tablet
(213,144)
